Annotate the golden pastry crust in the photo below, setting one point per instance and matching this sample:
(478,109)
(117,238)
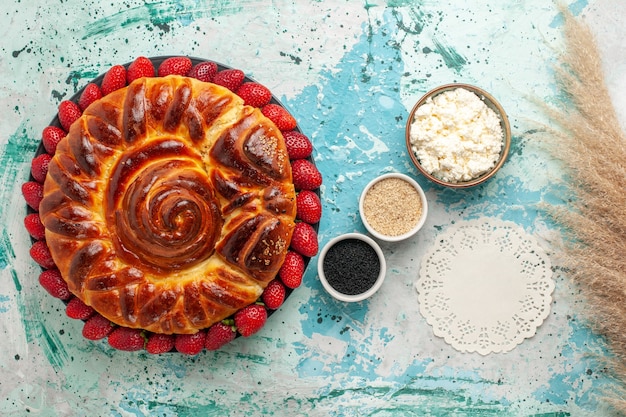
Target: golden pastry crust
(169,205)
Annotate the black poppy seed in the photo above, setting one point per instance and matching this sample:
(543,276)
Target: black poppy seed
(351,266)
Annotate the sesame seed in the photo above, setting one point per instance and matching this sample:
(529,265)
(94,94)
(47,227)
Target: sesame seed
(351,266)
(392,207)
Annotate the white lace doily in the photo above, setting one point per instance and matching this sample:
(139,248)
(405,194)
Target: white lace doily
(485,286)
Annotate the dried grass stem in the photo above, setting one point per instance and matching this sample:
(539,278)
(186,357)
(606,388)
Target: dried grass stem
(592,148)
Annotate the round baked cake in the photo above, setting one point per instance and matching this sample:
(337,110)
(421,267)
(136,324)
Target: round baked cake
(169,206)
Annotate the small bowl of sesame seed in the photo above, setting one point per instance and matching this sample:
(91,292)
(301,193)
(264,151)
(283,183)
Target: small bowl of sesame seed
(393,207)
(351,267)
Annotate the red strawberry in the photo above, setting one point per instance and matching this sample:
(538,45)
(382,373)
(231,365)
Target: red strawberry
(254,94)
(33,225)
(175,65)
(114,79)
(90,94)
(97,327)
(273,295)
(190,344)
(298,145)
(68,113)
(52,281)
(50,137)
(126,339)
(306,176)
(219,334)
(39,167)
(250,319)
(204,71)
(280,116)
(41,254)
(78,310)
(308,207)
(230,78)
(292,270)
(159,343)
(33,194)
(304,239)
(139,68)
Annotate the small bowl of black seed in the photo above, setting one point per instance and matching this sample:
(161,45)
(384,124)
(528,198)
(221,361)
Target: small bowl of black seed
(351,267)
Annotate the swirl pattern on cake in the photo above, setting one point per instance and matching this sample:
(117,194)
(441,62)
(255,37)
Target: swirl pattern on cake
(169,205)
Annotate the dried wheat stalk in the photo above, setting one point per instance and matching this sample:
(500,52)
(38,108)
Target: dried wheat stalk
(592,148)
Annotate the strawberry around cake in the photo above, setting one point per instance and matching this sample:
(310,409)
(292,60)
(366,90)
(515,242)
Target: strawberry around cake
(167,261)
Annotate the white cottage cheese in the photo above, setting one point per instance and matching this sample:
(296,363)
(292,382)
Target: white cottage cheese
(455,136)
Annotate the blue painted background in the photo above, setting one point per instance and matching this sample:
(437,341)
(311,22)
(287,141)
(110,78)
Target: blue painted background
(349,72)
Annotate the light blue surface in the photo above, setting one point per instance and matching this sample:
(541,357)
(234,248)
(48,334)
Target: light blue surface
(349,72)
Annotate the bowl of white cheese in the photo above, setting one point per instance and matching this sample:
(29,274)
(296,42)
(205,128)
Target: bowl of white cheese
(458,135)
